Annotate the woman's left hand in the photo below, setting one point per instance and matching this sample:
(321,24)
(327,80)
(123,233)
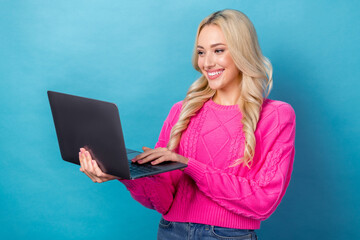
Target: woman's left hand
(158,155)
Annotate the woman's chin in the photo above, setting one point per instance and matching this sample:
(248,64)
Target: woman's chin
(214,86)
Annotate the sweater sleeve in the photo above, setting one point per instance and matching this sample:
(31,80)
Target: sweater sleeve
(257,196)
(157,192)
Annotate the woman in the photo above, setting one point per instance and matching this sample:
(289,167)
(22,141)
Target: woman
(238,144)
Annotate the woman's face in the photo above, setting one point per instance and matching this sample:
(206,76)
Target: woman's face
(215,61)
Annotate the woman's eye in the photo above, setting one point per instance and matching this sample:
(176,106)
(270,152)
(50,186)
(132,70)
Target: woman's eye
(200,53)
(219,50)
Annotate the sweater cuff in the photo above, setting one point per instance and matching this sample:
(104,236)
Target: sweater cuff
(195,169)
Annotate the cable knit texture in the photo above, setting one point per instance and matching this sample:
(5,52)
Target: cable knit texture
(209,191)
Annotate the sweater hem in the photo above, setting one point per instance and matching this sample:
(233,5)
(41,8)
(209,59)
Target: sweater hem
(204,211)
(237,223)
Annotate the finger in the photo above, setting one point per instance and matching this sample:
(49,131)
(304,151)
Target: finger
(103,176)
(89,175)
(80,161)
(84,161)
(83,167)
(94,174)
(99,173)
(88,168)
(152,157)
(169,156)
(147,153)
(91,169)
(88,161)
(160,160)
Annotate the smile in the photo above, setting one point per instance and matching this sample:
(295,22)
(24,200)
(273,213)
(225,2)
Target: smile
(214,74)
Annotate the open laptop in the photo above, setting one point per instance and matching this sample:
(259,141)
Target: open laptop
(95,125)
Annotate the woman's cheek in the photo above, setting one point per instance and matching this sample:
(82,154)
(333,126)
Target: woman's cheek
(224,60)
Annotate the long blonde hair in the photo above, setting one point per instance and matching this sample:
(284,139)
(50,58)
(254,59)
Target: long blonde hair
(255,85)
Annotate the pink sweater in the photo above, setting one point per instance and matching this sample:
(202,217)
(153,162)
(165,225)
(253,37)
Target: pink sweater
(210,192)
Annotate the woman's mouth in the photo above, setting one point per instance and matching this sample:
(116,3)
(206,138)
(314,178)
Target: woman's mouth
(214,74)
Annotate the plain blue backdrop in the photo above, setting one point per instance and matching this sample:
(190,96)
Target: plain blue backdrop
(137,54)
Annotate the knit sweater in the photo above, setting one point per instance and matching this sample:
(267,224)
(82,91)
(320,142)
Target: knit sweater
(211,192)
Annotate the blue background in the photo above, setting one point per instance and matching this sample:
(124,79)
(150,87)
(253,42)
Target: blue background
(137,54)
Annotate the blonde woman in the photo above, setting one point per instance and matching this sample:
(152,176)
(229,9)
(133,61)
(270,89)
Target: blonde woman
(238,144)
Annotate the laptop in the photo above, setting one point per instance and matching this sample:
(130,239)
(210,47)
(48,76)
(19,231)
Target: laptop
(95,125)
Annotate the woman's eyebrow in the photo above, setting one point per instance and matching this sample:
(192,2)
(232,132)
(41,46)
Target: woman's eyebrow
(212,45)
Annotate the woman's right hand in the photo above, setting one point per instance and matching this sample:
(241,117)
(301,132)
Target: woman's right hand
(91,168)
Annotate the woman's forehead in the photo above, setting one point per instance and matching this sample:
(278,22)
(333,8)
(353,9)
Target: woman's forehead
(211,35)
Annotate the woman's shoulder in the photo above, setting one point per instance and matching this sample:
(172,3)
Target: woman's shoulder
(176,108)
(275,112)
(177,105)
(174,112)
(276,105)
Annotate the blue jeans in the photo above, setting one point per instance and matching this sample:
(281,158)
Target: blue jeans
(186,231)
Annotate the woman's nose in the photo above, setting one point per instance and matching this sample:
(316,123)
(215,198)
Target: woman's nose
(209,61)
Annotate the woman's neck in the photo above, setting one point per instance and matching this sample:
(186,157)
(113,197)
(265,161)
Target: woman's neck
(226,99)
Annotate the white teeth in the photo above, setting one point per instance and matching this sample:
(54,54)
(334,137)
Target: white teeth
(214,73)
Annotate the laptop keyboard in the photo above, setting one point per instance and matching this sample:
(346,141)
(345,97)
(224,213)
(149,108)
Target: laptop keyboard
(136,168)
